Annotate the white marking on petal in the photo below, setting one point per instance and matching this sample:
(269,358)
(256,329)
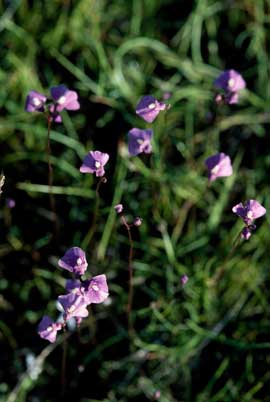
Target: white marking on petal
(250,215)
(49,329)
(231,82)
(97,164)
(215,169)
(36,102)
(140,141)
(71,309)
(95,288)
(152,106)
(61,100)
(79,261)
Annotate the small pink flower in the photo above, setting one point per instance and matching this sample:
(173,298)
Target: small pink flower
(218,165)
(148,108)
(184,279)
(94,162)
(118,208)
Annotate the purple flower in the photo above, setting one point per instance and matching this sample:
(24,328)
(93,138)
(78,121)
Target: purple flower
(246,233)
(64,98)
(74,260)
(10,203)
(97,289)
(184,279)
(137,221)
(94,162)
(139,141)
(74,305)
(230,81)
(218,165)
(47,329)
(249,211)
(148,108)
(118,208)
(35,102)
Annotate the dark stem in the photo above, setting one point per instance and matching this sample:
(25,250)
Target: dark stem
(86,241)
(50,181)
(130,271)
(64,368)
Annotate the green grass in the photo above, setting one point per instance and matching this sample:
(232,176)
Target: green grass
(208,341)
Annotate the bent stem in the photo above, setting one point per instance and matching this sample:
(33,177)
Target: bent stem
(50,181)
(86,241)
(130,271)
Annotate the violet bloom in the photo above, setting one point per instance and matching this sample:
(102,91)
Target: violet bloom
(74,305)
(64,98)
(184,279)
(246,233)
(139,141)
(94,162)
(10,203)
(119,208)
(148,108)
(249,211)
(47,329)
(137,221)
(97,289)
(35,102)
(230,81)
(74,261)
(218,165)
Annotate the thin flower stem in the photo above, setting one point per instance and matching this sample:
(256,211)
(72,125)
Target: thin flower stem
(130,270)
(50,181)
(64,367)
(86,241)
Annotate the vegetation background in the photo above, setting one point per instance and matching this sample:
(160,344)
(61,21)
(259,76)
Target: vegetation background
(205,342)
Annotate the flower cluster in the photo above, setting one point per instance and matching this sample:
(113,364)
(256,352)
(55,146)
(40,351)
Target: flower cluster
(230,82)
(61,99)
(139,141)
(80,294)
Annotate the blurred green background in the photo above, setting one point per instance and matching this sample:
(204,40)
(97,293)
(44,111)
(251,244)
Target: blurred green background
(208,341)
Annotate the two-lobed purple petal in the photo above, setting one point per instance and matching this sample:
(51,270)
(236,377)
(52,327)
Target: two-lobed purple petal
(139,141)
(218,165)
(74,261)
(94,162)
(148,108)
(47,329)
(249,211)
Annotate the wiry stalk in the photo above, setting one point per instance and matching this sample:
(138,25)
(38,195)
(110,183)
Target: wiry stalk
(130,270)
(86,241)
(50,181)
